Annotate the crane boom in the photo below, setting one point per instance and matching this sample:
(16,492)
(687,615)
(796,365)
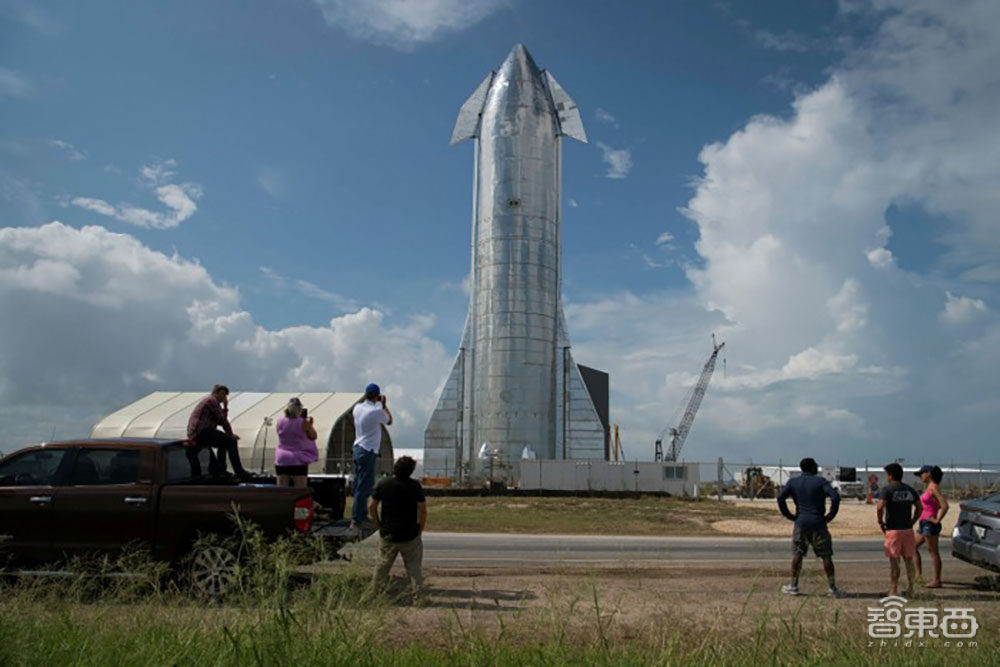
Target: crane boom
(679,433)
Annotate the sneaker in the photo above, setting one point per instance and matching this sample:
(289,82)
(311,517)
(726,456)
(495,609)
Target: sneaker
(834,592)
(354,530)
(790,589)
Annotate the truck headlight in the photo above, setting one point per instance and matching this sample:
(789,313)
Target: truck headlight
(955,533)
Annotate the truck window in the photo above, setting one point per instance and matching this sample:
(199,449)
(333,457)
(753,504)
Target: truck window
(105,466)
(34,468)
(179,467)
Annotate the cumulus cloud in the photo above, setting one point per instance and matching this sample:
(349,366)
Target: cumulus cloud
(793,232)
(880,258)
(179,198)
(618,160)
(839,352)
(405,24)
(103,319)
(961,309)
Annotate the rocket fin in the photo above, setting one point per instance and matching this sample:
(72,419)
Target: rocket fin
(570,123)
(584,430)
(444,433)
(467,124)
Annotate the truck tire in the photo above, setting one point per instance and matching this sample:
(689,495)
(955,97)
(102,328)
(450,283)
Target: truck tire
(213,571)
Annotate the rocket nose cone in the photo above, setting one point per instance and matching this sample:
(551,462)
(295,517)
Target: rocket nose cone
(519,61)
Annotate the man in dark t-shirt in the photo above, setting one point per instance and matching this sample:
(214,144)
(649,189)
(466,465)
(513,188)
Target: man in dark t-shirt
(402,520)
(900,506)
(810,492)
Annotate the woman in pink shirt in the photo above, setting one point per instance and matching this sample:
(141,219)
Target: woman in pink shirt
(296,446)
(935,507)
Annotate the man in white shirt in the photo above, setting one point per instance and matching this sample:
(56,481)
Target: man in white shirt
(369,416)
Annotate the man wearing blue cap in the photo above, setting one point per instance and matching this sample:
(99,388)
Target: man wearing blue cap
(369,416)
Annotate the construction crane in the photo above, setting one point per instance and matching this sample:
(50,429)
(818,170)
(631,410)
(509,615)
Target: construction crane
(678,434)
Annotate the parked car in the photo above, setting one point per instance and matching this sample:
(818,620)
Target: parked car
(851,489)
(976,538)
(64,499)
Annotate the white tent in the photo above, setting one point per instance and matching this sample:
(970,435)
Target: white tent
(254,417)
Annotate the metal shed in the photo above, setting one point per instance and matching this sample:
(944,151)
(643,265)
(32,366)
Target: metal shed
(254,417)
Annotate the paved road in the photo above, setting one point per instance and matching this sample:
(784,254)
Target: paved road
(488,550)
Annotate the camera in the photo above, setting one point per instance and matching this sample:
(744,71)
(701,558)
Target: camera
(305,413)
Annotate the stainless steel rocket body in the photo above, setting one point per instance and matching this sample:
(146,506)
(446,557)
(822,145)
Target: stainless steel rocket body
(514,384)
(516,281)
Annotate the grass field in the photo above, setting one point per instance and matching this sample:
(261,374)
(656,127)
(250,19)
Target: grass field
(586,516)
(336,622)
(620,616)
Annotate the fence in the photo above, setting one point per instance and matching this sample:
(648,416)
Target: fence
(752,479)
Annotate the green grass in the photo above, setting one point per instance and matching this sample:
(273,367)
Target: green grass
(583,516)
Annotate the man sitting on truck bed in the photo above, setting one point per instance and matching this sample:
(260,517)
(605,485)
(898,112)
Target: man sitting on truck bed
(208,415)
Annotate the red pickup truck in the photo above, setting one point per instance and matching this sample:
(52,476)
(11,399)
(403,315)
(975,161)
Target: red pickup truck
(63,499)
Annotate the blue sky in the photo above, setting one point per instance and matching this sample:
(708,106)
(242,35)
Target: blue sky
(288,164)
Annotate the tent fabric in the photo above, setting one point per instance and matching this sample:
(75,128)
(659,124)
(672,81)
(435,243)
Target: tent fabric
(254,417)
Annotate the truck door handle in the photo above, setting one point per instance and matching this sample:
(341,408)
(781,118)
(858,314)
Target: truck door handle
(135,500)
(40,500)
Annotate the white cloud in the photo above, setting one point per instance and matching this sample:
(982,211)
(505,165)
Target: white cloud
(880,258)
(308,289)
(791,215)
(13,84)
(179,198)
(605,117)
(573,203)
(618,160)
(95,205)
(314,291)
(847,308)
(961,309)
(785,41)
(664,239)
(405,24)
(103,319)
(71,151)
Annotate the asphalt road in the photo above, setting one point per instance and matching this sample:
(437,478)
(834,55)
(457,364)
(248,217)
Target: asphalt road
(491,550)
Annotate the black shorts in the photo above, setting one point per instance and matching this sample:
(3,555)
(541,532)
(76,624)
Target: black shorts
(818,538)
(294,471)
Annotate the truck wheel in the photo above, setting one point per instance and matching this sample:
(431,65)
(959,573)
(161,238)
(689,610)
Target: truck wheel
(213,571)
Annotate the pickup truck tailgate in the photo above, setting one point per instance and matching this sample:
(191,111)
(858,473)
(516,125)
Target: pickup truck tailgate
(188,509)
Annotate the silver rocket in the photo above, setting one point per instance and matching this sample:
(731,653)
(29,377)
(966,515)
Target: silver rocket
(514,384)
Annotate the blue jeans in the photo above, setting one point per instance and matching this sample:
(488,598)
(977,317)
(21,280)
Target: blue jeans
(364,480)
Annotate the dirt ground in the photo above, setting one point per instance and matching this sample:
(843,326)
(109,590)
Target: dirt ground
(855,519)
(641,516)
(634,601)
